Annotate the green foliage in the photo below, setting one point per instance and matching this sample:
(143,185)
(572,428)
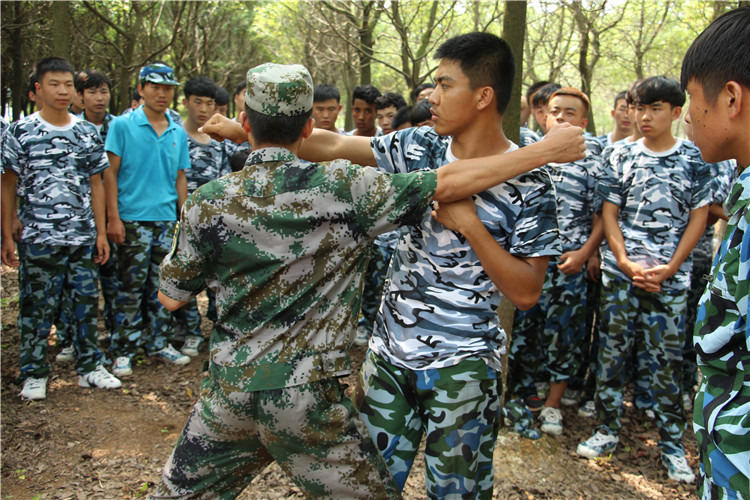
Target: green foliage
(387,43)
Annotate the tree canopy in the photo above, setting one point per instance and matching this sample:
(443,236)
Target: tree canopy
(599,46)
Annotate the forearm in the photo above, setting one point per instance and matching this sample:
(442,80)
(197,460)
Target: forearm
(520,280)
(111,189)
(324,145)
(693,231)
(595,238)
(612,231)
(457,180)
(181,185)
(98,204)
(8,209)
(169,303)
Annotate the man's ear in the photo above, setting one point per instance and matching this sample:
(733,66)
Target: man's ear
(307,130)
(245,122)
(184,102)
(485,96)
(676,112)
(584,123)
(735,95)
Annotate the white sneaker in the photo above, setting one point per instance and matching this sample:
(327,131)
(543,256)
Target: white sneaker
(588,409)
(122,367)
(677,467)
(99,378)
(687,402)
(172,355)
(66,355)
(34,388)
(650,413)
(597,445)
(551,420)
(192,345)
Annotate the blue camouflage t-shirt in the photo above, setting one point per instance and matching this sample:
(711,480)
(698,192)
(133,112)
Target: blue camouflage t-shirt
(575,187)
(655,192)
(723,175)
(439,305)
(53,165)
(208,161)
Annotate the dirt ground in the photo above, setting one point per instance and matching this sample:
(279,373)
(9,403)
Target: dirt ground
(97,444)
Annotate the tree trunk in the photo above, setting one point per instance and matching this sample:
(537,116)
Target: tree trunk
(514,30)
(19,95)
(61,29)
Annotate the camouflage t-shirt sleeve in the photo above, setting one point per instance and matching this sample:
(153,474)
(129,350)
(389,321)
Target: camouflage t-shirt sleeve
(702,194)
(14,155)
(97,158)
(610,187)
(182,272)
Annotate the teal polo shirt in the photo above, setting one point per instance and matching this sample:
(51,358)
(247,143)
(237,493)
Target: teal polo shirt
(148,170)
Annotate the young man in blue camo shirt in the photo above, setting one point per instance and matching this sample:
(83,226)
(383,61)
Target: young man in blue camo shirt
(434,361)
(555,327)
(55,160)
(716,75)
(655,195)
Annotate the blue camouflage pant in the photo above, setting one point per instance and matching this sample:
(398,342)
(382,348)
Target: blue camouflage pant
(653,325)
(555,326)
(189,318)
(140,319)
(701,267)
(108,281)
(456,408)
(46,274)
(312,431)
(372,294)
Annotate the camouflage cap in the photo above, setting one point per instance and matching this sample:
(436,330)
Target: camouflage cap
(157,73)
(279,90)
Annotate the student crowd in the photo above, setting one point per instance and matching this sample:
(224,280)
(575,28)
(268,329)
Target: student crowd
(605,253)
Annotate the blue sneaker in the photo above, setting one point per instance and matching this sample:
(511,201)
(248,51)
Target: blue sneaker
(597,445)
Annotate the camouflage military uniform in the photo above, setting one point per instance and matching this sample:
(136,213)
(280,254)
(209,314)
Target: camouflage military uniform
(437,345)
(722,177)
(722,405)
(556,325)
(53,166)
(655,193)
(296,238)
(207,162)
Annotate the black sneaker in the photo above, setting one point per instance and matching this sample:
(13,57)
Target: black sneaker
(534,403)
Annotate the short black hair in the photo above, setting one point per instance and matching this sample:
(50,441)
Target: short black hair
(390,99)
(721,53)
(420,112)
(367,93)
(91,79)
(542,95)
(325,91)
(242,85)
(534,87)
(53,65)
(620,95)
(630,94)
(403,115)
(276,129)
(659,88)
(222,96)
(419,88)
(200,86)
(486,59)
(136,96)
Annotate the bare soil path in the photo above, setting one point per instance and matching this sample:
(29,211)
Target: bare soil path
(96,444)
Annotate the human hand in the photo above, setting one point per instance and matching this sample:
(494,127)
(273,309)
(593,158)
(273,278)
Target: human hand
(102,249)
(593,268)
(8,253)
(571,262)
(455,215)
(653,277)
(219,127)
(564,143)
(115,231)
